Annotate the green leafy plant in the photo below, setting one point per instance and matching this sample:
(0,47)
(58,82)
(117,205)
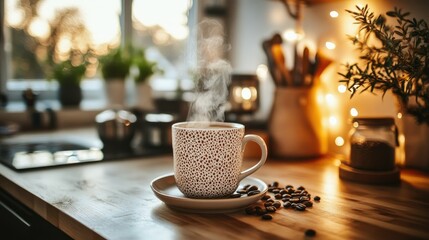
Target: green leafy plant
(393,58)
(116,64)
(67,73)
(145,67)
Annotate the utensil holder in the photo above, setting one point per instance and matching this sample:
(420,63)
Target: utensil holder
(295,124)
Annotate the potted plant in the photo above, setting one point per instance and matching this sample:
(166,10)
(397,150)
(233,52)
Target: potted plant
(396,59)
(69,76)
(115,67)
(145,69)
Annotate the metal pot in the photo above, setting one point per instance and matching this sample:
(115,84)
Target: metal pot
(116,128)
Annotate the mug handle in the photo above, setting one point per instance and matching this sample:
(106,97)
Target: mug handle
(262,145)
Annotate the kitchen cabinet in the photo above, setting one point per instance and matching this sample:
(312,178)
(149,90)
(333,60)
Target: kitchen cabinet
(19,222)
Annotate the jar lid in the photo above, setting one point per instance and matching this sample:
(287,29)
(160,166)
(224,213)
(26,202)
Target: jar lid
(374,121)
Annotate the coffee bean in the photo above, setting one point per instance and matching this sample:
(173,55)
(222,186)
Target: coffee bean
(304,198)
(245,186)
(310,233)
(300,207)
(265,197)
(235,195)
(254,192)
(252,188)
(250,210)
(286,196)
(308,203)
(298,199)
(271,209)
(259,211)
(241,191)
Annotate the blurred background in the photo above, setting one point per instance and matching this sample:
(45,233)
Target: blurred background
(38,33)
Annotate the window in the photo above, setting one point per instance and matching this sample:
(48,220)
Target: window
(36,32)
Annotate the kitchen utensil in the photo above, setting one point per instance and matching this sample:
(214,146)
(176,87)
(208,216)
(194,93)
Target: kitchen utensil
(275,75)
(306,75)
(277,61)
(116,128)
(321,63)
(297,70)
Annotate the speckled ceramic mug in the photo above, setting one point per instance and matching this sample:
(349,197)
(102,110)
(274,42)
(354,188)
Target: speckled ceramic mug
(208,157)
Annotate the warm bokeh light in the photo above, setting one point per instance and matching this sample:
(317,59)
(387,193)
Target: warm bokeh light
(246,94)
(262,71)
(339,141)
(330,100)
(342,88)
(333,120)
(354,112)
(333,14)
(153,13)
(330,45)
(64,45)
(337,162)
(399,115)
(39,28)
(290,35)
(104,28)
(14,16)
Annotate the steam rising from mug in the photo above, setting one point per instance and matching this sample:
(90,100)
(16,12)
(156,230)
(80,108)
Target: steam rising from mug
(213,74)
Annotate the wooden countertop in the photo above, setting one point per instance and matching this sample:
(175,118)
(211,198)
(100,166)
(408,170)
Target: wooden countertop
(114,200)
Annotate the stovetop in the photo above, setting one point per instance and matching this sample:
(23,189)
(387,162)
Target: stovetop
(34,155)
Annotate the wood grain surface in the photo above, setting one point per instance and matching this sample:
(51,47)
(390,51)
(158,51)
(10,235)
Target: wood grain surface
(113,200)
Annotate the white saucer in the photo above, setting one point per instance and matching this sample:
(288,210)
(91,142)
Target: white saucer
(166,190)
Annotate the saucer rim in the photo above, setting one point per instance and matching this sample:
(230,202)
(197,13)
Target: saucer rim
(198,205)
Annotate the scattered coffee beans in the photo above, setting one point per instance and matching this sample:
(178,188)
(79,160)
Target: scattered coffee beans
(298,199)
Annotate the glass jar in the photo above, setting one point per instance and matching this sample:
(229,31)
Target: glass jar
(372,144)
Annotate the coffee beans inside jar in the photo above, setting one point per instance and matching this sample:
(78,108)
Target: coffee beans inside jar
(372,144)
